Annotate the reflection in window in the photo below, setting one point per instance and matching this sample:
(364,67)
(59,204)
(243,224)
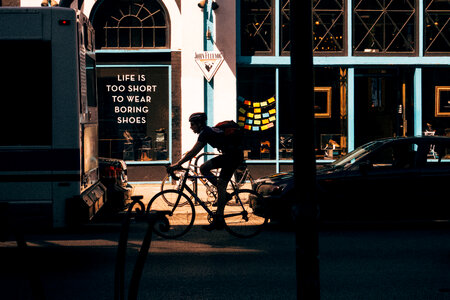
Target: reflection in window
(384,26)
(131,24)
(437,26)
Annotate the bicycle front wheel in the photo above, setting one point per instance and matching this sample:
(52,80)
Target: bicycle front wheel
(179,215)
(169,184)
(239,217)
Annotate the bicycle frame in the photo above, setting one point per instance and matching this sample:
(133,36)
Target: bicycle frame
(244,177)
(185,187)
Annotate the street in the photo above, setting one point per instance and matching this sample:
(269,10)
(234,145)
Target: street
(362,262)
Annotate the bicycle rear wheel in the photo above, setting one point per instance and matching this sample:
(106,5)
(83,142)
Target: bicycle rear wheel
(179,214)
(239,218)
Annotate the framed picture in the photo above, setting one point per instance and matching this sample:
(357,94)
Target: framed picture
(442,101)
(322,102)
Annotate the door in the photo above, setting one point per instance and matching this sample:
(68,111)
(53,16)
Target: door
(383,103)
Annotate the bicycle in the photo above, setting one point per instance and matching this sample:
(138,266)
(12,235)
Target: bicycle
(240,177)
(180,212)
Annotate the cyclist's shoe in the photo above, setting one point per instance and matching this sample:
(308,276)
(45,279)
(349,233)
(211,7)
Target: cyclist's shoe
(217,223)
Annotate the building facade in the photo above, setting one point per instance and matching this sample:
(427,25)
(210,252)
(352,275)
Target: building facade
(381,69)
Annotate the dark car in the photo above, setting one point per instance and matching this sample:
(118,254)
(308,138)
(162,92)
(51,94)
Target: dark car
(113,175)
(388,179)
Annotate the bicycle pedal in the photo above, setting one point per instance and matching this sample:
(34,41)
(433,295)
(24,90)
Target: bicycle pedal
(218,225)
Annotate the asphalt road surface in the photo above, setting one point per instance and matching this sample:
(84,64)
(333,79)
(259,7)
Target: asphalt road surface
(356,262)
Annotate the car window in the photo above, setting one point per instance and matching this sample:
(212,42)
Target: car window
(355,155)
(394,156)
(438,155)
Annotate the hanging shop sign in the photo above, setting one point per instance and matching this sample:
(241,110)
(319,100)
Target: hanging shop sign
(209,62)
(256,115)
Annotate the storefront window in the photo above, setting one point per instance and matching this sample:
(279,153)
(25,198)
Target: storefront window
(437,27)
(330,106)
(131,25)
(259,29)
(384,26)
(286,123)
(257,111)
(285,34)
(268,118)
(328,26)
(256,27)
(436,101)
(134,112)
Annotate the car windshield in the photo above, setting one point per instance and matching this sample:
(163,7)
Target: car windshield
(355,155)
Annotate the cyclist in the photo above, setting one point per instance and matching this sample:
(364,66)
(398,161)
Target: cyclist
(229,161)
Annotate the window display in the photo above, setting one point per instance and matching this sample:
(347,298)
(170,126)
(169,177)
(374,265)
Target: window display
(265,111)
(256,112)
(134,112)
(442,99)
(436,101)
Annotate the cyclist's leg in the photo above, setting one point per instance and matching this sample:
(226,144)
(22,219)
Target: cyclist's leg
(228,165)
(221,195)
(213,163)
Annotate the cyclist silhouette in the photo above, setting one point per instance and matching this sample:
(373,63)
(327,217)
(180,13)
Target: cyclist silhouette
(229,161)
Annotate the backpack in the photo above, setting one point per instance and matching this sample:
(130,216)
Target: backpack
(231,131)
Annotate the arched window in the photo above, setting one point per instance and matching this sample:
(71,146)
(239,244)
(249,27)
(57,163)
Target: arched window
(131,25)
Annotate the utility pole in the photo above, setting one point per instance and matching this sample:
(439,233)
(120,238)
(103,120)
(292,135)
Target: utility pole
(302,102)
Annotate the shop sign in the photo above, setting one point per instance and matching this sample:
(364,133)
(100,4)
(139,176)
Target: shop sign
(209,62)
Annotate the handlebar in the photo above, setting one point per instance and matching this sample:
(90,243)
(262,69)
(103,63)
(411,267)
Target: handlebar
(171,172)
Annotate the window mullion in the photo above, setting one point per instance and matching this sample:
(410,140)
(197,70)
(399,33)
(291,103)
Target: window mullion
(277,26)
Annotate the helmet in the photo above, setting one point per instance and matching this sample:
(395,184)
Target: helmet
(198,117)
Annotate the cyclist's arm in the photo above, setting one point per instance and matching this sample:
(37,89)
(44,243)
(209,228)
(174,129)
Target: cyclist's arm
(190,154)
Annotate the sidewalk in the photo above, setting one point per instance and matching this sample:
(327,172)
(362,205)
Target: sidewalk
(201,218)
(148,190)
(151,189)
